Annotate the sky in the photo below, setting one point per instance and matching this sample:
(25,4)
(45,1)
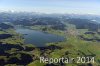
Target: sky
(52,6)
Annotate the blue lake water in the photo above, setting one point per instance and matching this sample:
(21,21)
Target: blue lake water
(38,38)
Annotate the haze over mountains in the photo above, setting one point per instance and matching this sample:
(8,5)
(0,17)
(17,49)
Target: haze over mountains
(55,21)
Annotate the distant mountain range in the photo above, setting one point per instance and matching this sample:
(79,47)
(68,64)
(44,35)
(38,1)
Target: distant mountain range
(55,21)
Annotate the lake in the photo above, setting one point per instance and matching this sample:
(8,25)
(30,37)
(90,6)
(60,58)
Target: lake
(38,38)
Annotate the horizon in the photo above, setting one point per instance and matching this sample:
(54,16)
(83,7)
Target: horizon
(52,6)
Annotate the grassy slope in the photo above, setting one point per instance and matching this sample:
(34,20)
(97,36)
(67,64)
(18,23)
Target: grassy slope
(71,44)
(74,44)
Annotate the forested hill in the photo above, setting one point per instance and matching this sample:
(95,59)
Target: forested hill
(5,26)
